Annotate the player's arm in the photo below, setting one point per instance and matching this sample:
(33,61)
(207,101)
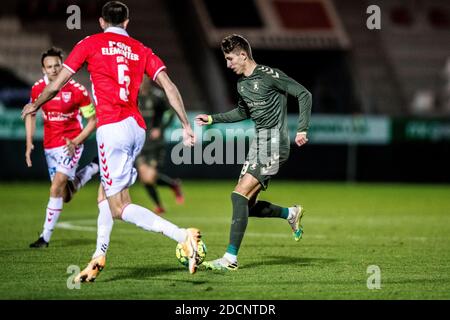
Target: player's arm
(304,98)
(30,128)
(50,91)
(88,113)
(176,102)
(237,114)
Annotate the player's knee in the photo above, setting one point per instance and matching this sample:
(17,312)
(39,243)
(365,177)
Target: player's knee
(116,208)
(241,190)
(147,176)
(56,190)
(116,211)
(147,179)
(151,177)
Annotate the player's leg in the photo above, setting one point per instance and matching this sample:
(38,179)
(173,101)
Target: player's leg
(293,215)
(148,175)
(118,175)
(83,175)
(53,210)
(246,188)
(159,154)
(123,208)
(105,224)
(264,209)
(174,184)
(61,167)
(77,178)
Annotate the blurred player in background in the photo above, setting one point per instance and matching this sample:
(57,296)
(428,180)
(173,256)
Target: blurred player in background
(117,63)
(158,115)
(262,98)
(63,139)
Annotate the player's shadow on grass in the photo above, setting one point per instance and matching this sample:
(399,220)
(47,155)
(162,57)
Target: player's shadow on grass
(147,272)
(73,243)
(290,261)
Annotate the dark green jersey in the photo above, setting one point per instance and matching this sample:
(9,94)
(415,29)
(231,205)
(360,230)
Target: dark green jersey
(263,98)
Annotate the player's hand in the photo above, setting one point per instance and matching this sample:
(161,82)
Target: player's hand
(301,139)
(29,108)
(155,133)
(188,137)
(70,146)
(30,148)
(202,119)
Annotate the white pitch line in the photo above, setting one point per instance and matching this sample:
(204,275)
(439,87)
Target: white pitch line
(90,226)
(70,226)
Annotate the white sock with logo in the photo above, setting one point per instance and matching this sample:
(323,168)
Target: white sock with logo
(54,208)
(105,224)
(150,221)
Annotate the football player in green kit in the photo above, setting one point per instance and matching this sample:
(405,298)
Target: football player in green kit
(262,98)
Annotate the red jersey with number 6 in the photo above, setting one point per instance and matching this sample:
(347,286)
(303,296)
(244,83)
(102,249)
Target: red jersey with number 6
(116,63)
(62,117)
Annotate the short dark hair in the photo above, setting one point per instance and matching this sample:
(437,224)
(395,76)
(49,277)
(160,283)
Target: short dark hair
(236,42)
(52,52)
(115,12)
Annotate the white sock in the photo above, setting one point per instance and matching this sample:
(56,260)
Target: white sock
(291,213)
(150,221)
(105,224)
(54,208)
(230,257)
(85,174)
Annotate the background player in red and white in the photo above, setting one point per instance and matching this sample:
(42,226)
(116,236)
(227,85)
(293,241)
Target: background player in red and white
(117,64)
(63,138)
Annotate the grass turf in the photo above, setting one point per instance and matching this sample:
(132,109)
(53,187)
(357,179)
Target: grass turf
(402,229)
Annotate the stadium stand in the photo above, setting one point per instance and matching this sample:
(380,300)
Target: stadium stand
(402,62)
(18,45)
(313,51)
(417,51)
(382,70)
(151,23)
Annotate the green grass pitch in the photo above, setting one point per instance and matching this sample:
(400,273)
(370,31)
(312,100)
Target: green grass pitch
(402,229)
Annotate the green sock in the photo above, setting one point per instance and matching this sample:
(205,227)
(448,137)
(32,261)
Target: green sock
(264,209)
(239,222)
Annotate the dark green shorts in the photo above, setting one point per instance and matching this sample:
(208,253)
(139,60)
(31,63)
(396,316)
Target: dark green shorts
(263,172)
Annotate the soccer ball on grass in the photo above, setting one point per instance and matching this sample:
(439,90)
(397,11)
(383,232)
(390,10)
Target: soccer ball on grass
(183,258)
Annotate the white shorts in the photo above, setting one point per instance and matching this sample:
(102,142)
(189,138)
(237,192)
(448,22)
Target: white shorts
(118,146)
(58,160)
